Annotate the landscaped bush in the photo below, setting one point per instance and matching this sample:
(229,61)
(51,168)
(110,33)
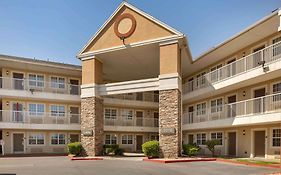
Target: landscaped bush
(211,145)
(112,149)
(151,149)
(75,148)
(119,152)
(190,149)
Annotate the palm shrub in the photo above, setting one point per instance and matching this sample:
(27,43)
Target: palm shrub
(211,144)
(75,148)
(151,149)
(190,149)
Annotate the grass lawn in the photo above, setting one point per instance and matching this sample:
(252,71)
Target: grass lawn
(260,162)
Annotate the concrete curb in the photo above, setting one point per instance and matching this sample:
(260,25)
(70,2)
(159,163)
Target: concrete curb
(247,163)
(72,158)
(178,160)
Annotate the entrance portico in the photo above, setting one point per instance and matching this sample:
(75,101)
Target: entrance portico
(132,52)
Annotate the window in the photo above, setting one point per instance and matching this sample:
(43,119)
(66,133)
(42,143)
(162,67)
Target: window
(36,80)
(57,110)
(58,139)
(58,82)
(110,113)
(216,73)
(276,47)
(127,114)
(217,136)
(277,90)
(36,139)
(201,139)
(276,137)
(216,105)
(36,109)
(201,109)
(110,139)
(154,137)
(127,139)
(201,79)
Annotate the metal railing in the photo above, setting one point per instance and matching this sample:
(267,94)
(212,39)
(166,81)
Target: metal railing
(135,121)
(38,118)
(261,105)
(39,86)
(262,57)
(146,96)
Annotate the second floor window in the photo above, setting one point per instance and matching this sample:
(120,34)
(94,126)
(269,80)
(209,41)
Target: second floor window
(201,109)
(127,114)
(216,73)
(58,82)
(216,105)
(57,111)
(110,113)
(36,80)
(36,109)
(276,90)
(201,80)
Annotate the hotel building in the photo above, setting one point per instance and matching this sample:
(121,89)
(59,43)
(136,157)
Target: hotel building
(139,82)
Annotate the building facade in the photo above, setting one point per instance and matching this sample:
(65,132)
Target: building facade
(139,82)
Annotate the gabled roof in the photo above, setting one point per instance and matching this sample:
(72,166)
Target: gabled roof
(126,4)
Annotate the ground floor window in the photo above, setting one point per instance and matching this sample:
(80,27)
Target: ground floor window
(127,139)
(36,139)
(110,139)
(58,139)
(217,136)
(201,139)
(276,137)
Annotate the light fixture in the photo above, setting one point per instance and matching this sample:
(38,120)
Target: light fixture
(7,103)
(244,54)
(244,132)
(7,134)
(244,93)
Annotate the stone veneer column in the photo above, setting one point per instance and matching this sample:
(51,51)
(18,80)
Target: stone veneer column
(170,103)
(92,121)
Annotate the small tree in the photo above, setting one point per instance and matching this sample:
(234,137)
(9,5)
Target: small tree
(211,145)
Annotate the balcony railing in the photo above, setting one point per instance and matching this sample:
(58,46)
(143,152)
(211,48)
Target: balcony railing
(39,86)
(262,105)
(136,122)
(150,97)
(38,118)
(264,56)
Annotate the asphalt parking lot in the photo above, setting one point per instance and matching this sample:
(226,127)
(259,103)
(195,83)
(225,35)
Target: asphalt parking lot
(62,165)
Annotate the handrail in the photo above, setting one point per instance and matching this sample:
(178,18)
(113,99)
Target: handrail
(135,121)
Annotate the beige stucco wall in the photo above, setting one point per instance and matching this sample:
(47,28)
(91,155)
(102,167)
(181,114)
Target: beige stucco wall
(92,71)
(244,143)
(169,59)
(145,30)
(238,54)
(46,148)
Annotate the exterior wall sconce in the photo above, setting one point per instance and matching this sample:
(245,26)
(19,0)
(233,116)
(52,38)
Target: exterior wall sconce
(244,93)
(244,54)
(244,132)
(7,134)
(7,103)
(7,72)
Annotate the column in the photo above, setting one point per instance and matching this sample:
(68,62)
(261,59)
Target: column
(92,121)
(170,101)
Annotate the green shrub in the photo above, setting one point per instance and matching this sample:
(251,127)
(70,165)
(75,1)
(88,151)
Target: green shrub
(119,152)
(190,149)
(151,149)
(75,148)
(211,145)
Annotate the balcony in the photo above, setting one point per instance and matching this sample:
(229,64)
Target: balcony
(134,124)
(13,87)
(44,121)
(248,70)
(145,100)
(266,109)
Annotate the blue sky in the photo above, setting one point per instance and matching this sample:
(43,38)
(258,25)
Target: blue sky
(58,29)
